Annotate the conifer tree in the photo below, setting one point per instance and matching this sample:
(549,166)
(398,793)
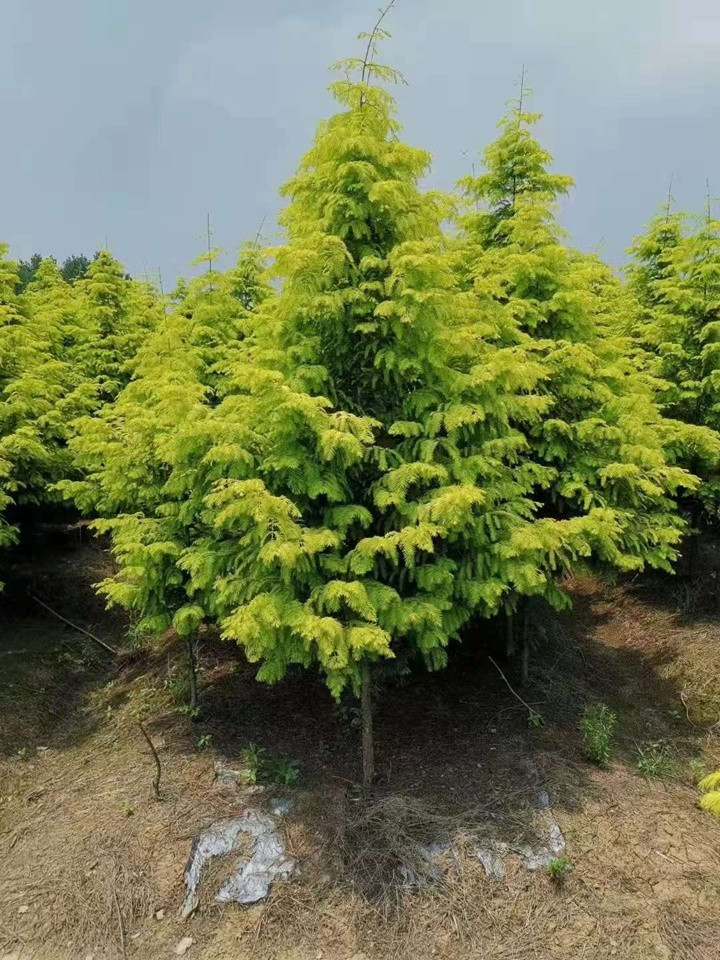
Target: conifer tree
(144,457)
(378,500)
(64,350)
(41,385)
(654,255)
(50,391)
(602,443)
(117,314)
(13,349)
(674,279)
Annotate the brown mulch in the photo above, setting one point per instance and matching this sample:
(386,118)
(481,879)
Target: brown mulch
(89,856)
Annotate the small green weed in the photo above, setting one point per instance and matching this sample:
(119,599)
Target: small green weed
(259,767)
(597,727)
(177,684)
(204,741)
(254,760)
(535,719)
(284,771)
(655,760)
(559,869)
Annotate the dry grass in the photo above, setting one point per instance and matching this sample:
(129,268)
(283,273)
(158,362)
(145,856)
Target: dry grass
(380,846)
(91,854)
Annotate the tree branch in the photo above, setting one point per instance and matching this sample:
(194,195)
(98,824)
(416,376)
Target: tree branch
(517,696)
(158,768)
(59,616)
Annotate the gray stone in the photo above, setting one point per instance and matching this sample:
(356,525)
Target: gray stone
(491,857)
(254,875)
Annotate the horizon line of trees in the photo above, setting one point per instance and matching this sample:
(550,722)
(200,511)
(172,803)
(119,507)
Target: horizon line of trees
(345,450)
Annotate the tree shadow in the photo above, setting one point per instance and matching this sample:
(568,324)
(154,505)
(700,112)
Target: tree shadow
(691,594)
(47,668)
(461,740)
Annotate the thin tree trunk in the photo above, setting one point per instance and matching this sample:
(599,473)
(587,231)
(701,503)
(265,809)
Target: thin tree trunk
(525,649)
(509,635)
(693,542)
(192,672)
(368,746)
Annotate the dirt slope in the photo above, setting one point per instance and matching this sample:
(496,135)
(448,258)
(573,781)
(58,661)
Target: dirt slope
(89,857)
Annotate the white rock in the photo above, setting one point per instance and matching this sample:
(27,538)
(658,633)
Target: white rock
(182,948)
(254,875)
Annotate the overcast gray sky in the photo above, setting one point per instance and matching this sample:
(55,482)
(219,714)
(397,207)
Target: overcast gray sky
(132,119)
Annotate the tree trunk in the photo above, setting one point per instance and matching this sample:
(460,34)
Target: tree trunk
(692,554)
(525,649)
(192,671)
(509,635)
(368,747)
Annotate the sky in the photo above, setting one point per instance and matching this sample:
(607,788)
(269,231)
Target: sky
(127,122)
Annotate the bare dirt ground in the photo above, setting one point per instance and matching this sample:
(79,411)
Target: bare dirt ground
(91,865)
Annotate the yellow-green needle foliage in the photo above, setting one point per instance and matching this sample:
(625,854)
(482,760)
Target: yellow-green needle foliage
(675,280)
(383,495)
(599,450)
(710,787)
(149,458)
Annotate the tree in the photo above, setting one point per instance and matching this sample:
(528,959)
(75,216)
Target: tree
(674,278)
(27,269)
(13,347)
(378,500)
(145,457)
(117,314)
(64,350)
(41,387)
(73,268)
(602,444)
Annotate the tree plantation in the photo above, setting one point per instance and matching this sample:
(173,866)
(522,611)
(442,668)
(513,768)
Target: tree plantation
(419,412)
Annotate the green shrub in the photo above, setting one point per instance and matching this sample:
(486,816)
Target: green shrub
(710,787)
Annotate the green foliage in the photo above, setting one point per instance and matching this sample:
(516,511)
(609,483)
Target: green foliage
(73,268)
(150,458)
(254,761)
(204,741)
(391,497)
(675,282)
(259,767)
(349,714)
(710,787)
(597,727)
(52,374)
(655,760)
(698,769)
(117,314)
(559,869)
(535,719)
(332,472)
(284,771)
(595,442)
(26,270)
